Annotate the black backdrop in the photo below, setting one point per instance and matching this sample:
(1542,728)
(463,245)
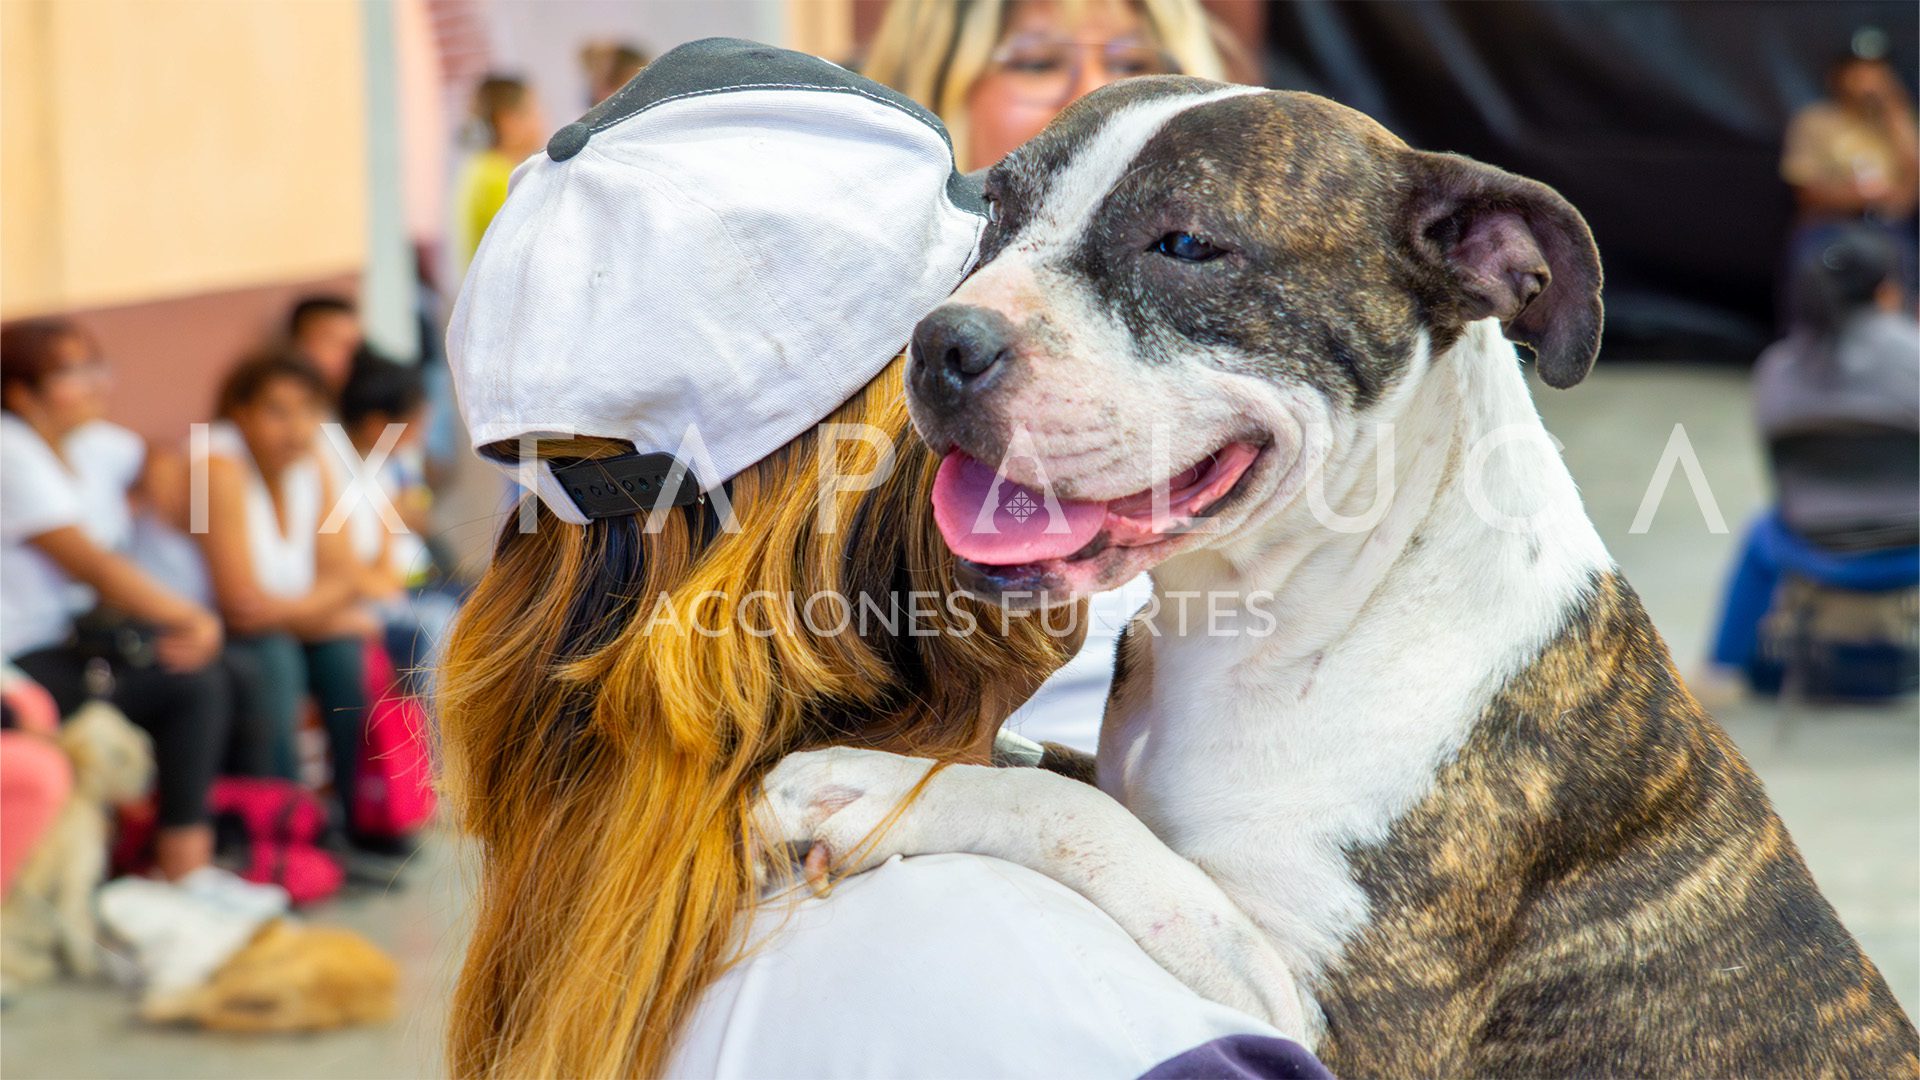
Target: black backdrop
(1661,121)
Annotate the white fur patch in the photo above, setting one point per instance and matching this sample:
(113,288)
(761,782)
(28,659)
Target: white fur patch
(1077,191)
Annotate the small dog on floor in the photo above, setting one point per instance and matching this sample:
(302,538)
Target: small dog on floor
(48,918)
(289,977)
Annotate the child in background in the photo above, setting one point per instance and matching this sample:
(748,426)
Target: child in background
(508,118)
(377,395)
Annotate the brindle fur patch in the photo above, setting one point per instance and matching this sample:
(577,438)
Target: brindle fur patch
(1598,886)
(1305,197)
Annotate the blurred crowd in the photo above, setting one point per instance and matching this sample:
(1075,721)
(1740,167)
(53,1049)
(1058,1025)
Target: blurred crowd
(263,597)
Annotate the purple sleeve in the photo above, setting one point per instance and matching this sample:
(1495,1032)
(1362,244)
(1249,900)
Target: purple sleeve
(1242,1057)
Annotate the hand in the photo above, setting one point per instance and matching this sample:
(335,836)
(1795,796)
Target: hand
(190,644)
(375,583)
(354,620)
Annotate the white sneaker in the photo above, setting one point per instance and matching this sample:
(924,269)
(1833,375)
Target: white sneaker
(223,889)
(179,939)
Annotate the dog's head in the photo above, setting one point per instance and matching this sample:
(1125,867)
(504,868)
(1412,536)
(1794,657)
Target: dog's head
(1186,287)
(112,759)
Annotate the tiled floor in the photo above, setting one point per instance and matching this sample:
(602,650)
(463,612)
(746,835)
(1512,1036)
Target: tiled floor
(1847,782)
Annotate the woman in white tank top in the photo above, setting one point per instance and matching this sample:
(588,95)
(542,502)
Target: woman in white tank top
(292,594)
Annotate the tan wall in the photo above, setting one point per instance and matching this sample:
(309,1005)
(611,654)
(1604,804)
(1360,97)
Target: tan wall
(156,148)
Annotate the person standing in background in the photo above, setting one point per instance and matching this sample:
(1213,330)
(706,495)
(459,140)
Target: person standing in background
(414,611)
(507,116)
(1853,159)
(996,72)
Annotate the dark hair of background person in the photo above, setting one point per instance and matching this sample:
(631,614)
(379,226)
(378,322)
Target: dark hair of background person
(1661,122)
(494,95)
(255,373)
(308,307)
(627,58)
(30,349)
(379,387)
(1840,280)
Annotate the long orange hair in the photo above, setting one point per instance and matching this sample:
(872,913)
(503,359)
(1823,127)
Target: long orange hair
(606,756)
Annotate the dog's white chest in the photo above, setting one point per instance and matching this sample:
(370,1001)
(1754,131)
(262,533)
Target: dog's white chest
(1266,774)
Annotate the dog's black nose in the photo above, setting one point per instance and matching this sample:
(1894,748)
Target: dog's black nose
(961,343)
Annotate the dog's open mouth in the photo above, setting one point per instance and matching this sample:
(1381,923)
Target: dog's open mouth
(995,522)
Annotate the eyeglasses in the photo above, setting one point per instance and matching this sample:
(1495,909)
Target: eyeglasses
(1045,70)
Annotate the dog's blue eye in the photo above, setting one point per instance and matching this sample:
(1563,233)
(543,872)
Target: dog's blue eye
(1186,247)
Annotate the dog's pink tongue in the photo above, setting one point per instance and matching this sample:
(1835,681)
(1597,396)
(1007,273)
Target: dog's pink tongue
(1019,529)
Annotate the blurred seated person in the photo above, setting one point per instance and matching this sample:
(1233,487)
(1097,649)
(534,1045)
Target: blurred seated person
(1854,157)
(1838,403)
(379,395)
(72,604)
(292,593)
(996,71)
(506,117)
(1851,359)
(608,65)
(325,328)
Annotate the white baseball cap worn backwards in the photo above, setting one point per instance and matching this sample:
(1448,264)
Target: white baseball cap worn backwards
(707,264)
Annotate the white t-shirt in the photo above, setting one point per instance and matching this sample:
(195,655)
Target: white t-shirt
(38,494)
(282,561)
(945,966)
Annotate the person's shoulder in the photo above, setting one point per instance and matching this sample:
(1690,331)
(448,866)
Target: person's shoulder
(224,471)
(113,451)
(16,433)
(107,435)
(37,492)
(1779,355)
(1895,333)
(25,456)
(948,965)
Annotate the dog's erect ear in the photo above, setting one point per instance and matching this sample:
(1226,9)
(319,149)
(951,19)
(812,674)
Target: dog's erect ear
(1511,248)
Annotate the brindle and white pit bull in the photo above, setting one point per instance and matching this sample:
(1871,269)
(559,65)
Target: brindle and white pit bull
(1457,815)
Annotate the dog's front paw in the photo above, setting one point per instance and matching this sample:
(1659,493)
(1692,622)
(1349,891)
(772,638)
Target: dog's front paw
(828,808)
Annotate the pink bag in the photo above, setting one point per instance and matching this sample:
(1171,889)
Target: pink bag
(280,823)
(393,793)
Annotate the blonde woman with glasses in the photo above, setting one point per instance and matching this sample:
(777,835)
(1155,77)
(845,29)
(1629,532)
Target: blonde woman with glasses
(996,71)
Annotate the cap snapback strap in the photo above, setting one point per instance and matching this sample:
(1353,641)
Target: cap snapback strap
(626,484)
